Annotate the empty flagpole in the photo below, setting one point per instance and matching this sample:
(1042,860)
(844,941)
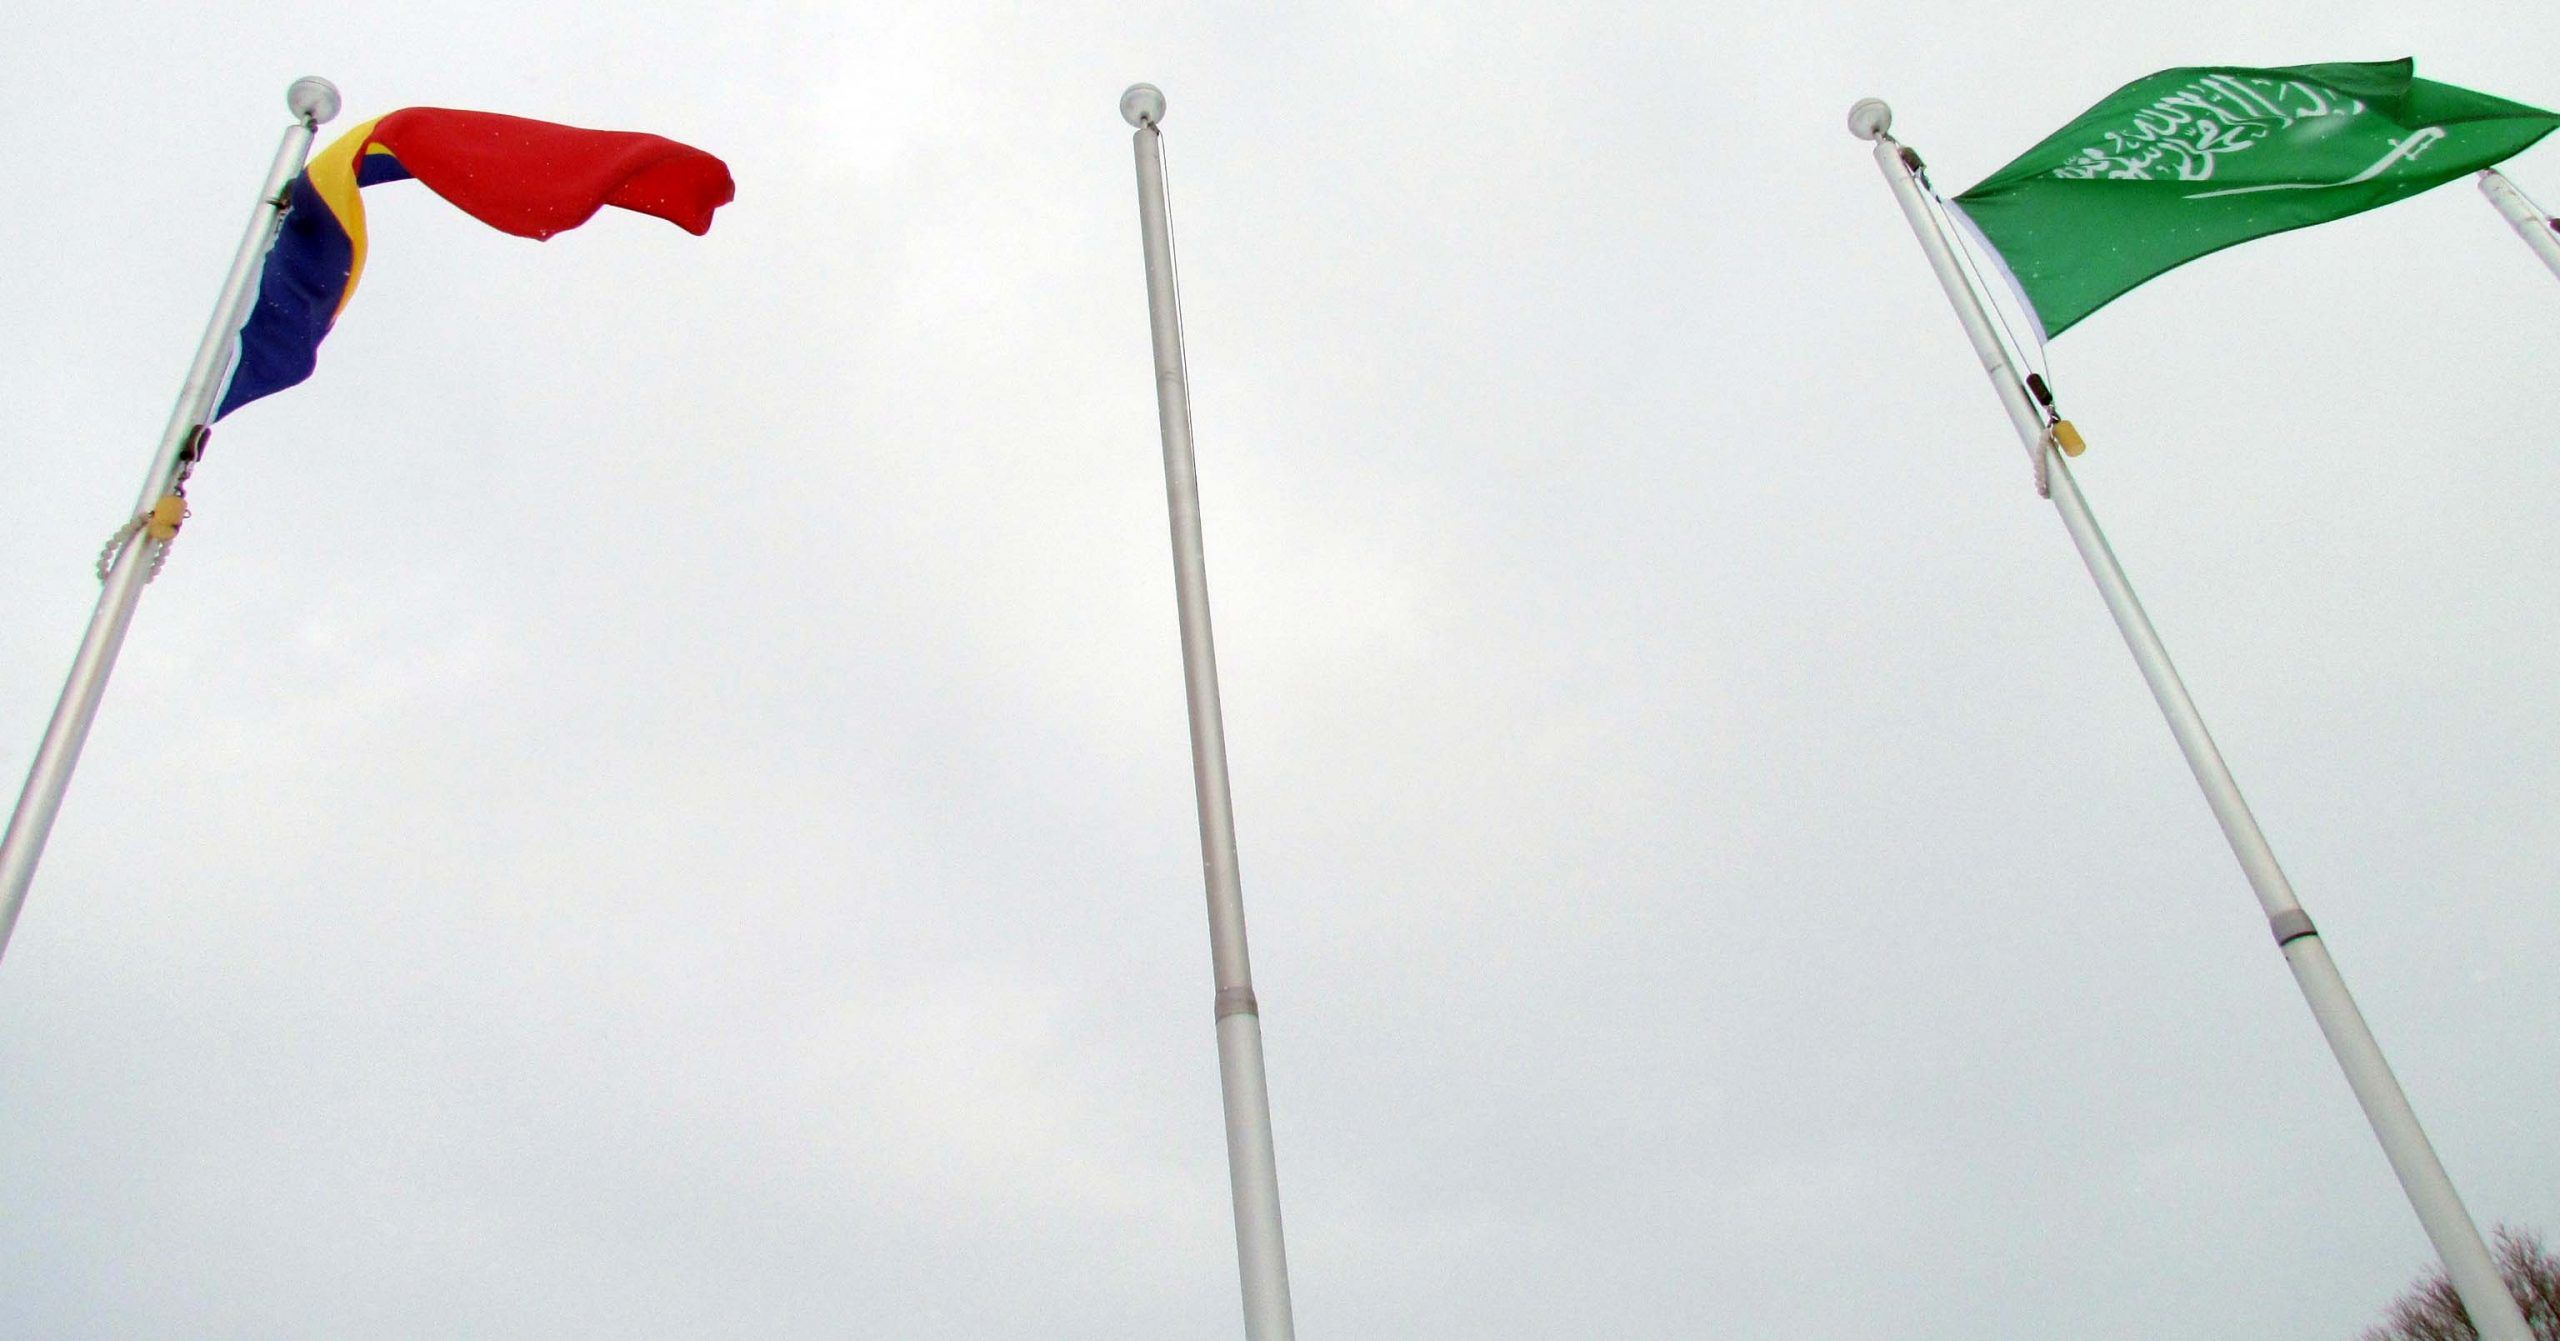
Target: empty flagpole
(146,538)
(2440,1211)
(2531,224)
(1252,1172)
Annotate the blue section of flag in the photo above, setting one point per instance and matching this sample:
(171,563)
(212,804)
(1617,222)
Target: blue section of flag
(298,298)
(379,166)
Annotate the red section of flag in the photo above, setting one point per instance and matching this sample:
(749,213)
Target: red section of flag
(537,178)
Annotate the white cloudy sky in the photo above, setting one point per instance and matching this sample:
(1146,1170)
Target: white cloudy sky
(651,798)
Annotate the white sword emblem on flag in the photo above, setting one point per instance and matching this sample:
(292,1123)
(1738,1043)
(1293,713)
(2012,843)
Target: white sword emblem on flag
(2400,149)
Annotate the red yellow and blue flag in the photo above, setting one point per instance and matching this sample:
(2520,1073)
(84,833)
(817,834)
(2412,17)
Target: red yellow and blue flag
(529,178)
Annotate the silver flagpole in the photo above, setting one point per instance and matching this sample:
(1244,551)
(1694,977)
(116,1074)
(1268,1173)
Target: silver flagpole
(144,541)
(1261,1258)
(2531,224)
(2456,1239)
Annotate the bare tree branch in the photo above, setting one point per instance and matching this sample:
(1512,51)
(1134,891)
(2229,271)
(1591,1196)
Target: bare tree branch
(2431,1312)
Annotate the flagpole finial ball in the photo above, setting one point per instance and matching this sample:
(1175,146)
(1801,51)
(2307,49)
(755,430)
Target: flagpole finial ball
(313,99)
(1142,106)
(1869,119)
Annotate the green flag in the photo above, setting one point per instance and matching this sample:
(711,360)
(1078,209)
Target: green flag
(2186,162)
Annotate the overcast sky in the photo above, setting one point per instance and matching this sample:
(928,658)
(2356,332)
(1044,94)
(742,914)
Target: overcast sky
(651,798)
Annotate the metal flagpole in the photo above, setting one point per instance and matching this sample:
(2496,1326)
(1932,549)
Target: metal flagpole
(143,542)
(1261,1257)
(2440,1210)
(2531,224)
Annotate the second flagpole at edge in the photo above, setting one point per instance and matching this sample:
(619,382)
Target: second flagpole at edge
(1252,1169)
(2530,223)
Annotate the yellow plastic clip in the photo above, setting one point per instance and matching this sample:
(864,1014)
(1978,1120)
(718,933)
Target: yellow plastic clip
(2068,438)
(166,517)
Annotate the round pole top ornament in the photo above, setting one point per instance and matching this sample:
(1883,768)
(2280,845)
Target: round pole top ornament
(1142,106)
(313,99)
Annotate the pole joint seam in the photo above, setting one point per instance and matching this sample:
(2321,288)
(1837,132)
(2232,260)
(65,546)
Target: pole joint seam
(1237,1001)
(2290,925)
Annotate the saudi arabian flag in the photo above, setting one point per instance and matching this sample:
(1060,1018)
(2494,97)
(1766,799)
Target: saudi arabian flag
(2187,162)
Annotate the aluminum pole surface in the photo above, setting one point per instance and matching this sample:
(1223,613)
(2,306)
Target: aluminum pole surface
(2431,1193)
(2531,224)
(312,101)
(1252,1172)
